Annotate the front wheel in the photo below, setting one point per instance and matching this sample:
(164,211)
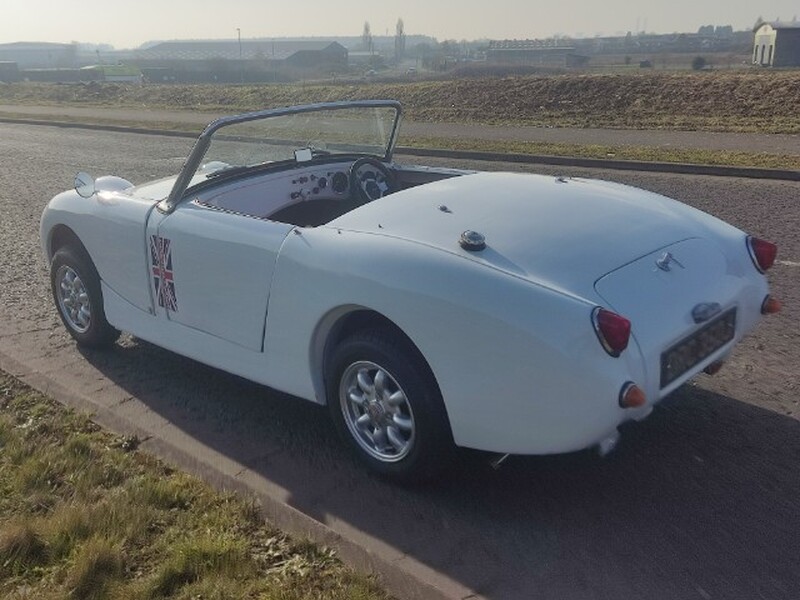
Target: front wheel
(79,299)
(386,405)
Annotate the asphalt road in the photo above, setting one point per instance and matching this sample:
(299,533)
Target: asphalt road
(701,140)
(702,500)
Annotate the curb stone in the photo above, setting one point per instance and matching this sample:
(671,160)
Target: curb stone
(403,577)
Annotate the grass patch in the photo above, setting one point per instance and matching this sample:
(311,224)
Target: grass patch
(21,548)
(85,516)
(748,100)
(98,565)
(641,153)
(190,561)
(756,101)
(649,154)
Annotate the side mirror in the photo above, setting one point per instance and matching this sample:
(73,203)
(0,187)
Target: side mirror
(84,185)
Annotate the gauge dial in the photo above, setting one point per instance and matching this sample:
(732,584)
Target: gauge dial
(339,183)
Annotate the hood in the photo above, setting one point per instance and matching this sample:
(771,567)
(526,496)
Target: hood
(153,190)
(563,233)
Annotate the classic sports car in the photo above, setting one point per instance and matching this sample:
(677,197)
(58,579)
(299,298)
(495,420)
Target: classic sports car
(428,308)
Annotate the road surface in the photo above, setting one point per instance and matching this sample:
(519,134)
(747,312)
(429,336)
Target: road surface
(701,140)
(701,501)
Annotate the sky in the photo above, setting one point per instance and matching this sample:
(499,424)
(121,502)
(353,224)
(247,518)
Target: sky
(129,24)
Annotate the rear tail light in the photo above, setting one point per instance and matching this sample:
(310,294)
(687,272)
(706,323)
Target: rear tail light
(770,306)
(612,330)
(762,252)
(631,396)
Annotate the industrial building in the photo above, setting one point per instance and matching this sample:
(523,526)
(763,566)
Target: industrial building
(777,44)
(544,53)
(9,71)
(297,54)
(40,55)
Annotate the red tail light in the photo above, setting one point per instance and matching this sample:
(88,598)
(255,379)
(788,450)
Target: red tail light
(612,330)
(762,252)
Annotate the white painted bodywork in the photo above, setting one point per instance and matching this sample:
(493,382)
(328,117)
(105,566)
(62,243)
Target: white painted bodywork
(506,331)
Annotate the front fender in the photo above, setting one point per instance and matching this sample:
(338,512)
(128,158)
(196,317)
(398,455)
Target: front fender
(111,227)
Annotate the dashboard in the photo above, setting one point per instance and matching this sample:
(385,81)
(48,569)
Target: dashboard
(315,184)
(266,194)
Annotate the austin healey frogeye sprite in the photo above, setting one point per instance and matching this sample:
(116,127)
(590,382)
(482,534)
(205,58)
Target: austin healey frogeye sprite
(428,308)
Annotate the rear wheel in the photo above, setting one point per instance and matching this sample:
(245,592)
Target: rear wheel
(386,405)
(79,299)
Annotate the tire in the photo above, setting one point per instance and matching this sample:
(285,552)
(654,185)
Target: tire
(79,298)
(386,405)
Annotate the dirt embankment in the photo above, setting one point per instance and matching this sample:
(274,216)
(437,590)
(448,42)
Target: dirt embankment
(763,101)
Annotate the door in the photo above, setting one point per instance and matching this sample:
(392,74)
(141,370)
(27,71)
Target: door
(211,270)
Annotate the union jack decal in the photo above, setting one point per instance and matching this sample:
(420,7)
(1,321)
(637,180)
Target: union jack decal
(161,261)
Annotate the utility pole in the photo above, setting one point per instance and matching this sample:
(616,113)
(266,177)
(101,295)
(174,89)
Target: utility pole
(241,66)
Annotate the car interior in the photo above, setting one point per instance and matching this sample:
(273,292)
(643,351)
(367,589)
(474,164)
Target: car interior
(316,193)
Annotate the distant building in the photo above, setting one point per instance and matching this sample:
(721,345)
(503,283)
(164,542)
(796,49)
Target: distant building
(9,71)
(113,73)
(231,61)
(40,55)
(777,44)
(302,54)
(545,53)
(723,31)
(361,58)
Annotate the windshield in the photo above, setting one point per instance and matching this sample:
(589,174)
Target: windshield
(256,141)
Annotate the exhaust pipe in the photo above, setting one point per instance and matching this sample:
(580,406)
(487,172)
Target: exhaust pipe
(498,461)
(606,446)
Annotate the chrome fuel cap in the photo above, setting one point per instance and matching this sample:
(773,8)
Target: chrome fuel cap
(472,241)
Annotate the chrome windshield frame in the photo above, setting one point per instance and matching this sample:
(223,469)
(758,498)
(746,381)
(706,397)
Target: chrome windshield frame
(203,142)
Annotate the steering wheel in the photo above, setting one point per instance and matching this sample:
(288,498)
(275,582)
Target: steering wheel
(372,179)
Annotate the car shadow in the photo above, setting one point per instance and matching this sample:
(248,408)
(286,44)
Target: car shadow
(699,501)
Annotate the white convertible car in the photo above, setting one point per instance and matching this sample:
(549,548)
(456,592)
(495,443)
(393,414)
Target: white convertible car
(427,308)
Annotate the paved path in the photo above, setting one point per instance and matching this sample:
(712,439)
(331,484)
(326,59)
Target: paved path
(746,142)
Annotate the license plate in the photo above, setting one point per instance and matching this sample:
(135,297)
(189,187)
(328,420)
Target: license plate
(700,345)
